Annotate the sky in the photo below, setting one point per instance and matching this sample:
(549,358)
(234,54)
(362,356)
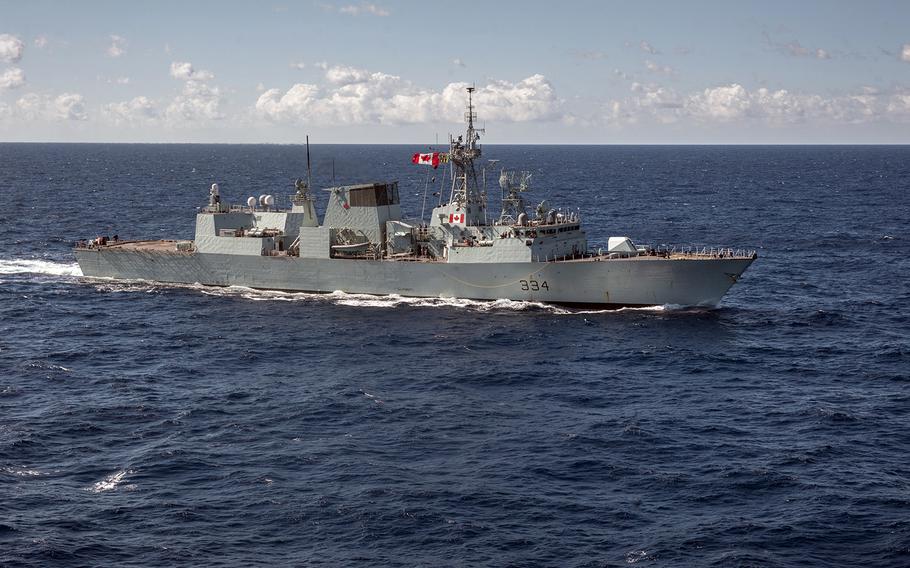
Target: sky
(567,72)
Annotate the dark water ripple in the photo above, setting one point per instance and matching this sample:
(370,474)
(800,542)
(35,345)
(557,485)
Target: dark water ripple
(147,425)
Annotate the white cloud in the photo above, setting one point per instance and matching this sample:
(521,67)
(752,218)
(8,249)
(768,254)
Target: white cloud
(197,102)
(363,8)
(119,81)
(905,52)
(657,68)
(722,103)
(184,71)
(356,96)
(139,110)
(68,106)
(647,47)
(298,65)
(531,99)
(12,78)
(11,48)
(735,103)
(117,47)
(40,42)
(457,62)
(822,54)
(342,75)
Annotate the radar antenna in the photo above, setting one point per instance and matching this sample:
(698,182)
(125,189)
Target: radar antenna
(513,184)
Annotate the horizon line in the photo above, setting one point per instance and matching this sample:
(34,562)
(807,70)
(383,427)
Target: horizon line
(424,144)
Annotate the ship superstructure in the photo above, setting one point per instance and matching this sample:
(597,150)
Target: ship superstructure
(364,245)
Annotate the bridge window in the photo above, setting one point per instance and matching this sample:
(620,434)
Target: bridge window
(385,194)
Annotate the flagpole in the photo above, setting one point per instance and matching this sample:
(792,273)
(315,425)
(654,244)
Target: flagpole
(309,181)
(426,184)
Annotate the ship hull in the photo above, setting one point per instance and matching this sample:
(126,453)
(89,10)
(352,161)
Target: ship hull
(642,281)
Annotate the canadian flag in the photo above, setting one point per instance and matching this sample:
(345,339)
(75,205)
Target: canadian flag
(456,217)
(431,159)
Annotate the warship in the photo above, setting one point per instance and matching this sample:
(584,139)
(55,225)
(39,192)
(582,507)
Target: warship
(363,245)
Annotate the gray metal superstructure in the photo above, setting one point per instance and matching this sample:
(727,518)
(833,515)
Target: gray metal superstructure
(363,245)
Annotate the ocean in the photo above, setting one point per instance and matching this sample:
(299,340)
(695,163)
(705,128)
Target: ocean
(143,424)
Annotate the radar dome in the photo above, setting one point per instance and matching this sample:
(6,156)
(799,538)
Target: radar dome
(269,200)
(251,201)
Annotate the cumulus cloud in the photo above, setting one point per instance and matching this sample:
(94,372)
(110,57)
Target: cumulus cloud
(363,8)
(117,46)
(184,71)
(734,102)
(457,62)
(11,48)
(822,54)
(196,102)
(12,78)
(67,106)
(298,65)
(342,75)
(905,52)
(139,110)
(357,96)
(40,42)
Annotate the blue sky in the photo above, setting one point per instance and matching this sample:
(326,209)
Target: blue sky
(391,71)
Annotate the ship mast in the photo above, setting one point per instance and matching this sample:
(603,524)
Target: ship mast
(466,191)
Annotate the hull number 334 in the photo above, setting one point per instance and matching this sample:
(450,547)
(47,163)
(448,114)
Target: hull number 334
(534,285)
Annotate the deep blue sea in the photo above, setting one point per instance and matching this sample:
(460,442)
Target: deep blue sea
(153,425)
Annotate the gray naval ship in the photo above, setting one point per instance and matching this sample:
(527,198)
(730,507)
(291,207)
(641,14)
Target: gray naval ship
(363,245)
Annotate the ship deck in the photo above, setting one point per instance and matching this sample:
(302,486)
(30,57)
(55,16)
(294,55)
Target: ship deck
(170,247)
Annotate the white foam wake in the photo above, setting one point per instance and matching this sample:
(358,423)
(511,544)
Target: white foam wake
(362,300)
(392,301)
(372,301)
(34,266)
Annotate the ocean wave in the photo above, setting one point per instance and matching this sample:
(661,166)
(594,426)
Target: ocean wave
(35,266)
